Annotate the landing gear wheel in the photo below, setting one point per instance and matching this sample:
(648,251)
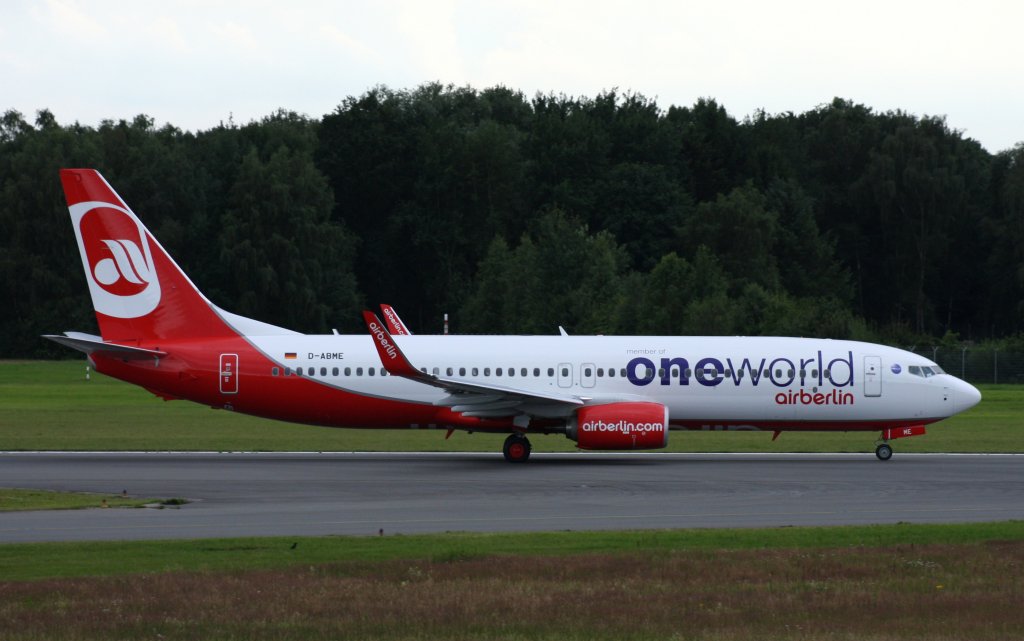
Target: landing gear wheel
(883,452)
(517,448)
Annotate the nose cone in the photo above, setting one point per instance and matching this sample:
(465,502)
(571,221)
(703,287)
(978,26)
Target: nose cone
(967,396)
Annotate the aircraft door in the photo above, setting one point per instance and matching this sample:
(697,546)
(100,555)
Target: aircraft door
(588,377)
(228,373)
(872,376)
(564,375)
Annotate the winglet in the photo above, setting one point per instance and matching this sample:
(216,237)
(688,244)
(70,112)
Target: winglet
(395,324)
(391,356)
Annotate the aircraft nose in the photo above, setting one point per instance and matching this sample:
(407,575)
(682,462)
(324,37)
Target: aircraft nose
(967,396)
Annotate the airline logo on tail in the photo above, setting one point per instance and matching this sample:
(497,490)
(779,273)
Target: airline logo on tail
(117,258)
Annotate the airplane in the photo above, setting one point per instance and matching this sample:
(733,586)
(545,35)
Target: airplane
(158,331)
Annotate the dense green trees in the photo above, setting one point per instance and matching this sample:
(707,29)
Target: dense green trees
(605,215)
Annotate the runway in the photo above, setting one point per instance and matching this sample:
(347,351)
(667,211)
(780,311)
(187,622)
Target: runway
(361,494)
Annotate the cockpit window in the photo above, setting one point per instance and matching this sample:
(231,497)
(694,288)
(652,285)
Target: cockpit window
(925,371)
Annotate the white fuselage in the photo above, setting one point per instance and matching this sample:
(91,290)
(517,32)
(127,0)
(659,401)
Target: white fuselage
(709,382)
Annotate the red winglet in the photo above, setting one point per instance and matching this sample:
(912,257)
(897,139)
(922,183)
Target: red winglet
(391,356)
(395,324)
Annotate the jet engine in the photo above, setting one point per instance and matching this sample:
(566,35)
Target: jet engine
(620,426)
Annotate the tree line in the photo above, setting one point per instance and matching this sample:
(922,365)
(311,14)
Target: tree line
(605,215)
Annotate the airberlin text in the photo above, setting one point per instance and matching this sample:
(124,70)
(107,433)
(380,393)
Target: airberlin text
(383,341)
(816,371)
(622,427)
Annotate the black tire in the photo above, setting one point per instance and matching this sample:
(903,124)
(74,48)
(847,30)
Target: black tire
(517,449)
(883,452)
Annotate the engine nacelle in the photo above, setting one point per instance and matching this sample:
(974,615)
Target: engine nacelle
(620,426)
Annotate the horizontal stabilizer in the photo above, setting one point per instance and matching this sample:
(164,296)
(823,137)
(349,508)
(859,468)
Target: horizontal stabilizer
(91,344)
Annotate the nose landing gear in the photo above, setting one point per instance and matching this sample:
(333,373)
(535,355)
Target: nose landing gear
(883,450)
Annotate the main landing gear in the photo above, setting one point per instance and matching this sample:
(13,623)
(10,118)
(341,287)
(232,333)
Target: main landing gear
(517,448)
(883,452)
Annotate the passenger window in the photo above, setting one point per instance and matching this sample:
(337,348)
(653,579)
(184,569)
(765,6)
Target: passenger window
(511,371)
(600,372)
(611,372)
(437,372)
(828,373)
(728,372)
(565,371)
(622,372)
(298,371)
(587,371)
(334,371)
(359,371)
(348,371)
(814,373)
(487,371)
(287,371)
(370,371)
(323,371)
(449,371)
(551,371)
(476,371)
(525,371)
(536,371)
(274,371)
(462,371)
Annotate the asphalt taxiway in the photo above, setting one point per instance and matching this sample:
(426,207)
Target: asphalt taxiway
(295,494)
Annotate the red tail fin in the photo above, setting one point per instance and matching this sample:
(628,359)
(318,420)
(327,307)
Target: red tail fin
(138,291)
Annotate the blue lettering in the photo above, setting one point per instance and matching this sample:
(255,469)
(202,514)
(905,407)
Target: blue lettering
(710,367)
(666,370)
(710,371)
(632,366)
(804,362)
(754,374)
(832,372)
(782,381)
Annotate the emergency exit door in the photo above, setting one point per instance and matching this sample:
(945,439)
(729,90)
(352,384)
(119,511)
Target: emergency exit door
(229,373)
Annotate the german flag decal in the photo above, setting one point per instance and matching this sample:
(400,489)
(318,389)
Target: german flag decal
(290,355)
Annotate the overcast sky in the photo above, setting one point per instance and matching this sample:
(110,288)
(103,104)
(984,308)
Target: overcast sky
(195,63)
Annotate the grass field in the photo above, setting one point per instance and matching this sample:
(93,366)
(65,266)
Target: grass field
(14,499)
(50,406)
(879,583)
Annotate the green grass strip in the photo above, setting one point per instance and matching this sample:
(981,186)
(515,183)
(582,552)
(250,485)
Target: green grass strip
(30,561)
(19,500)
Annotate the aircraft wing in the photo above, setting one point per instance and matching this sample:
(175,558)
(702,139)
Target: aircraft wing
(91,344)
(470,398)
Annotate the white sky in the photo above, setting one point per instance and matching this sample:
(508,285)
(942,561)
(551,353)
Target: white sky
(194,63)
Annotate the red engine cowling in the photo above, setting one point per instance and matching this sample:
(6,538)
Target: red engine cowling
(620,426)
